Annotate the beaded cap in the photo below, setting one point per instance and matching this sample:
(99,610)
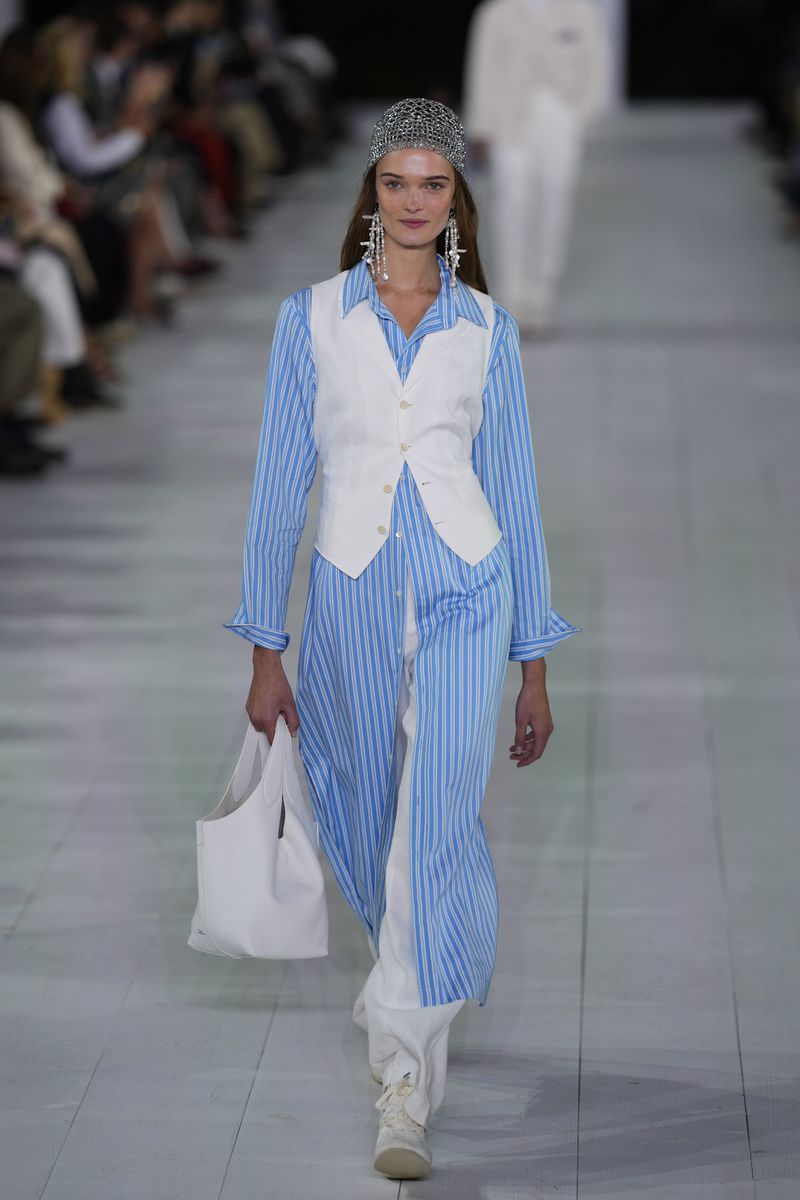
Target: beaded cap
(420,124)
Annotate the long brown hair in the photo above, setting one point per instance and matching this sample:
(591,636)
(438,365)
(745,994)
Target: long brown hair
(60,55)
(18,70)
(466,210)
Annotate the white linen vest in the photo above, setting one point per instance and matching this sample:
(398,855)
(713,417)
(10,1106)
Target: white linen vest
(368,423)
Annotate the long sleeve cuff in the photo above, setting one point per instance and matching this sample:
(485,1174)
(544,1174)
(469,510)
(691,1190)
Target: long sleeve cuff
(272,639)
(526,649)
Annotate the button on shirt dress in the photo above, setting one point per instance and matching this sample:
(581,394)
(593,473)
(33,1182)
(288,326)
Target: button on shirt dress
(471,621)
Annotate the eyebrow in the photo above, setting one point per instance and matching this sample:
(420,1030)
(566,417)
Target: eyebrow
(394,175)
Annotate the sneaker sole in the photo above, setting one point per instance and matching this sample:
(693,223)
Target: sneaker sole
(395,1162)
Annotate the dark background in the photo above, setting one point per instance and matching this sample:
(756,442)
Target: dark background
(704,50)
(681,49)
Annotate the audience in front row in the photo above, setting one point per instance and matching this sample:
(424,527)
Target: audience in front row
(778,98)
(129,133)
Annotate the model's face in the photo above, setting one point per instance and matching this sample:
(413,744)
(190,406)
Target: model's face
(415,191)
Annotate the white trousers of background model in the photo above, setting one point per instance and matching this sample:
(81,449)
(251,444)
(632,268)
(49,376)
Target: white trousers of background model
(46,277)
(404,1038)
(533,184)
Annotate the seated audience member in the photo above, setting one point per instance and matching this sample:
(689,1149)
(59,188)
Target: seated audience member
(789,177)
(296,76)
(20,361)
(193,118)
(121,177)
(55,267)
(119,53)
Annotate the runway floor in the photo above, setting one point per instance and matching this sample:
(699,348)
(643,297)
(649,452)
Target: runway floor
(642,1037)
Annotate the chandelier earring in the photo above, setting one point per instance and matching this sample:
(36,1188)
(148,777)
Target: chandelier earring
(375,252)
(452,250)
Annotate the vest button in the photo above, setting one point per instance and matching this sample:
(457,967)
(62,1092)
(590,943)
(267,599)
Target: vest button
(381,529)
(404,446)
(387,487)
(404,404)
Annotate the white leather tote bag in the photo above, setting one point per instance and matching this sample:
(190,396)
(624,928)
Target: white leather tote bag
(259,880)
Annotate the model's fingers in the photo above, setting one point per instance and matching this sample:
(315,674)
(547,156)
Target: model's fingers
(531,747)
(528,748)
(540,741)
(291,717)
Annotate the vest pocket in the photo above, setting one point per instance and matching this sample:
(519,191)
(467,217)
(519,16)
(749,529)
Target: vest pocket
(469,487)
(337,497)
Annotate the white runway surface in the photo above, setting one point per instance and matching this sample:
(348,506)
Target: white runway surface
(642,1036)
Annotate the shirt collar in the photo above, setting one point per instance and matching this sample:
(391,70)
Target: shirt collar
(451,302)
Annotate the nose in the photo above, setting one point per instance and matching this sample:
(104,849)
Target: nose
(414,200)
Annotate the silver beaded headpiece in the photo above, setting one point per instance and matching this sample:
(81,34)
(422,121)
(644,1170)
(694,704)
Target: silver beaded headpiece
(420,124)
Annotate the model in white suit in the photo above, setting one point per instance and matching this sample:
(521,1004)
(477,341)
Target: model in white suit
(536,75)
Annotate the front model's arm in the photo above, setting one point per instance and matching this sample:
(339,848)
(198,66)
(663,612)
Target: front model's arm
(285,467)
(503,461)
(502,456)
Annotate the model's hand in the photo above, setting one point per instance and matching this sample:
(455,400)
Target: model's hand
(270,695)
(534,724)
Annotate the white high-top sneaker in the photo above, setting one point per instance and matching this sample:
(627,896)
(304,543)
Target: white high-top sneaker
(402,1150)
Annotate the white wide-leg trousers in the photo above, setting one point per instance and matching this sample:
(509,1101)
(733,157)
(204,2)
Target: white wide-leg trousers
(533,184)
(404,1038)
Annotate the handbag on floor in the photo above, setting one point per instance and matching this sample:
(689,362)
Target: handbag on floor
(259,880)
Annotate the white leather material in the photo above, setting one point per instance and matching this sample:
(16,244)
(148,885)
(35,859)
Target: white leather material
(364,416)
(260,895)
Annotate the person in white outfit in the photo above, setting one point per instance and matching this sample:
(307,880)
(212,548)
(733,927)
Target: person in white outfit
(537,73)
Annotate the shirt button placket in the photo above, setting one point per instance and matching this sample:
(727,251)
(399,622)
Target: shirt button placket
(400,558)
(398,568)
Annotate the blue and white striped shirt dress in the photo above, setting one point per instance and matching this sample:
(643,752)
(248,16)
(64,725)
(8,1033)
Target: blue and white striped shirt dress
(471,619)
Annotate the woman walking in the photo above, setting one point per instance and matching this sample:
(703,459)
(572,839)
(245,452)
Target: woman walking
(402,379)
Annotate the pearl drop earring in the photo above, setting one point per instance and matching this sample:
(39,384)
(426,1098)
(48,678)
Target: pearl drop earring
(375,253)
(452,250)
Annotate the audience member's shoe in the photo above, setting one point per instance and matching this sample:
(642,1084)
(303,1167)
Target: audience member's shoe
(53,454)
(168,286)
(53,408)
(19,457)
(402,1150)
(80,389)
(19,431)
(198,266)
(157,312)
(117,332)
(25,460)
(100,361)
(24,422)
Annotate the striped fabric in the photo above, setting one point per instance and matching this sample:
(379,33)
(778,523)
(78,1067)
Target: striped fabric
(471,620)
(286,462)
